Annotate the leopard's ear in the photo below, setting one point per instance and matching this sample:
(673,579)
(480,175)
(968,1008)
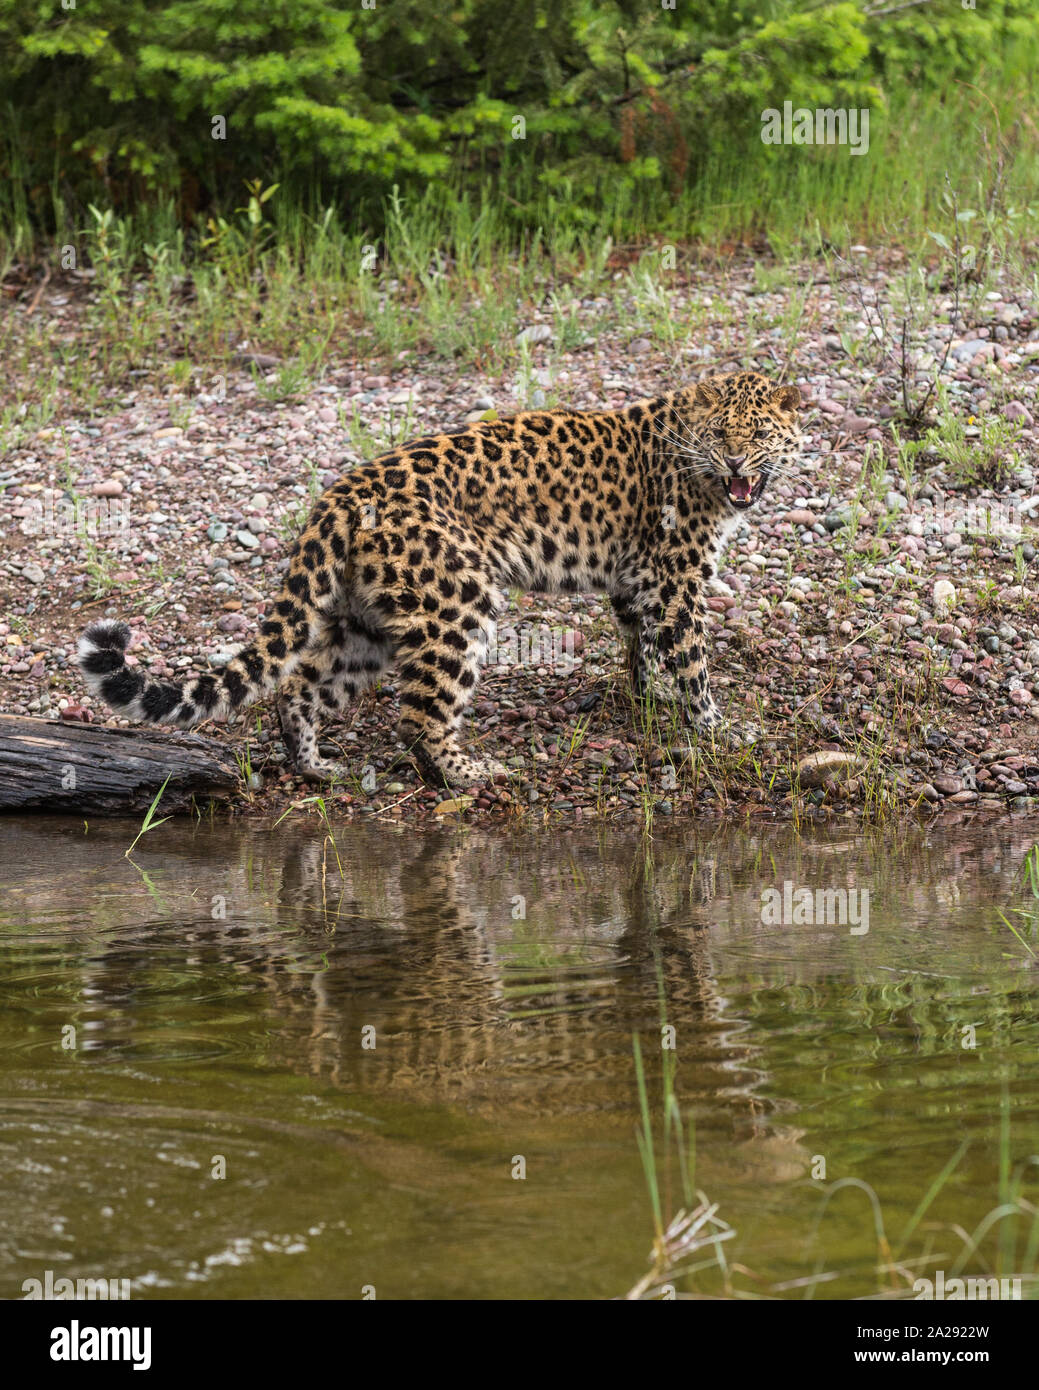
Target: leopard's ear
(706,393)
(786,397)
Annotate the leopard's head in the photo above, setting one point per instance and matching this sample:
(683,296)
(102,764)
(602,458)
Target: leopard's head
(736,432)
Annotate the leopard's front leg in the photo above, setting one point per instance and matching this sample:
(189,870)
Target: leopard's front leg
(639,631)
(681,641)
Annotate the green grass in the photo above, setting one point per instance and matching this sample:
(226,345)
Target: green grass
(681,1232)
(982,452)
(456,271)
(688,1250)
(1029,913)
(149,822)
(507,238)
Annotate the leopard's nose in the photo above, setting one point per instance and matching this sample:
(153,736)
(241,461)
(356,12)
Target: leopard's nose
(734,460)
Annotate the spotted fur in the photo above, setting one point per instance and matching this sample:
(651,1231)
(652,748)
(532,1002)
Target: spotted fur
(406,558)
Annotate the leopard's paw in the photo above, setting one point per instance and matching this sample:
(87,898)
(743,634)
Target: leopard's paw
(656,690)
(705,720)
(323,770)
(731,734)
(457,772)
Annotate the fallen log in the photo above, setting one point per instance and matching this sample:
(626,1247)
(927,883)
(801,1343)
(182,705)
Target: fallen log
(88,768)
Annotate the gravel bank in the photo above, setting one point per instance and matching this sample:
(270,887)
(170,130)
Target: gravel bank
(884,620)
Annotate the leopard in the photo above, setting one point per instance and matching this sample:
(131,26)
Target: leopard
(407,559)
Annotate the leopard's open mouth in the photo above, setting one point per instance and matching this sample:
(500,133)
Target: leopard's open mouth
(745,488)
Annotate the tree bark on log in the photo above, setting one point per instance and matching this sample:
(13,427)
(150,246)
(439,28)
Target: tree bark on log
(47,765)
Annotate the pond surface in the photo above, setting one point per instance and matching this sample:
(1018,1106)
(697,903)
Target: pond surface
(211,1008)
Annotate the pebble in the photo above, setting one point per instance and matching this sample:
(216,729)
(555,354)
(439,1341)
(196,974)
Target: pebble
(534,333)
(855,424)
(943,595)
(1014,410)
(818,768)
(948,786)
(964,352)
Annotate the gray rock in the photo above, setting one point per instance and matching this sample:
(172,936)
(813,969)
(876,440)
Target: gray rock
(856,424)
(963,352)
(843,516)
(534,333)
(1014,410)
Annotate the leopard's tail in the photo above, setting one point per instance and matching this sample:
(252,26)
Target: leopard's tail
(253,673)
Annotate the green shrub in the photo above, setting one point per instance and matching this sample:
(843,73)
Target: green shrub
(620,105)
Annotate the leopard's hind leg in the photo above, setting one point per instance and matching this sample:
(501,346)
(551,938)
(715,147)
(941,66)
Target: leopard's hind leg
(439,657)
(351,658)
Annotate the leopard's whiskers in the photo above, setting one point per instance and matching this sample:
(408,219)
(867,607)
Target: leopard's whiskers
(703,467)
(698,459)
(678,447)
(684,435)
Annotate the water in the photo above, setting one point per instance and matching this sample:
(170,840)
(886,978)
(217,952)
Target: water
(225,987)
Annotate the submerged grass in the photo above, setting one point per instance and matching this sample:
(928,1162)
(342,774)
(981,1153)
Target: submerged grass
(1030,913)
(683,1234)
(149,822)
(1003,1245)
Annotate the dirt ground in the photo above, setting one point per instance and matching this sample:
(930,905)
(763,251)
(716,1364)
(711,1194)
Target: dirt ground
(881,612)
